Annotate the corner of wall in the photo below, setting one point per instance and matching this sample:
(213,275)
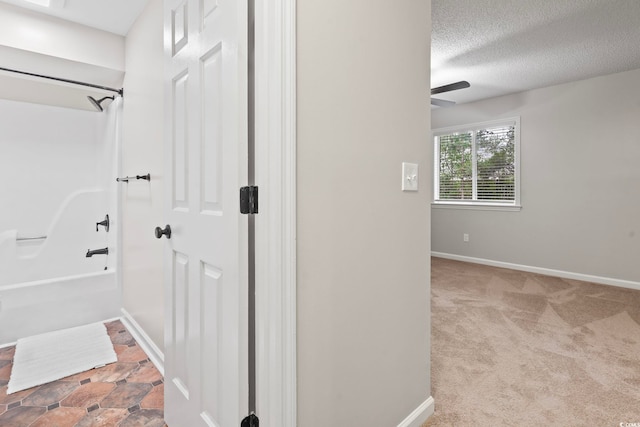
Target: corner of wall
(142,152)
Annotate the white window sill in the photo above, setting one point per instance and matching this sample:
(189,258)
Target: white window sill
(477,206)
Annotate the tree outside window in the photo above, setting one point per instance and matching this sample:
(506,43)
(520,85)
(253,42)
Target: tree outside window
(478,164)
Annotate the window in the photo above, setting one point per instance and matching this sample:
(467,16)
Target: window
(478,164)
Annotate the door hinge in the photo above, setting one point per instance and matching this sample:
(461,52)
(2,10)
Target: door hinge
(249,200)
(251,421)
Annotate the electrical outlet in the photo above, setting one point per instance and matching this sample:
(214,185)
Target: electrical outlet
(465,237)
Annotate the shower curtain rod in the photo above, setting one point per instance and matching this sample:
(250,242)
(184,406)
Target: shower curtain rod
(118,91)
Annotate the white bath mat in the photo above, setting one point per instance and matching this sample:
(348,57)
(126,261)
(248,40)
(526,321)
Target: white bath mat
(41,359)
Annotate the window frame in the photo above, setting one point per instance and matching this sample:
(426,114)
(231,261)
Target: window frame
(477,204)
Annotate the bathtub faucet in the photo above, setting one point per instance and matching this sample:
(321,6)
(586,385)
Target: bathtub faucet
(104,223)
(103,251)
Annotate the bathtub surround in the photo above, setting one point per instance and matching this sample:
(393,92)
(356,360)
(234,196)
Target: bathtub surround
(57,303)
(46,154)
(59,180)
(68,233)
(517,348)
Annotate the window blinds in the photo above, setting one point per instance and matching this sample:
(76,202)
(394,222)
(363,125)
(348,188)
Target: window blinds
(477,165)
(456,171)
(495,159)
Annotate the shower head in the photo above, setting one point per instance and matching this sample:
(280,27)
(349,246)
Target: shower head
(97,103)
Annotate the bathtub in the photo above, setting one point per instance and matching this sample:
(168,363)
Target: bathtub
(48,283)
(40,306)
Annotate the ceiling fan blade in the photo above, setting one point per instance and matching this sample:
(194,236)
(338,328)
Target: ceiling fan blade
(448,88)
(442,102)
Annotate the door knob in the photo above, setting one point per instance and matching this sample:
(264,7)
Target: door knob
(160,232)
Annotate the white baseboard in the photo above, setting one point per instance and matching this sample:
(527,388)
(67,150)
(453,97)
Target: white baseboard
(540,270)
(144,341)
(420,415)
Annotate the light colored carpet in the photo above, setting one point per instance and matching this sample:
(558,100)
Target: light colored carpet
(43,358)
(511,348)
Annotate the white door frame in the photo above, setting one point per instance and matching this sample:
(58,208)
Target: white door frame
(275,175)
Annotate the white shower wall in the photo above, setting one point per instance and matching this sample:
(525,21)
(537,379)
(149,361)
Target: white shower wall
(58,168)
(46,154)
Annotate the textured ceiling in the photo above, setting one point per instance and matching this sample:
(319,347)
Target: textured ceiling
(499,46)
(508,46)
(114,16)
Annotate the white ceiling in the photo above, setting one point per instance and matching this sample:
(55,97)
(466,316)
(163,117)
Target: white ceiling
(508,46)
(499,46)
(114,16)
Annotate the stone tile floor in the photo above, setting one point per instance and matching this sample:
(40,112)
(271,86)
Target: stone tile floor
(127,393)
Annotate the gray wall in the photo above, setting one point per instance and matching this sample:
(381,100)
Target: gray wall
(142,152)
(363,244)
(580,181)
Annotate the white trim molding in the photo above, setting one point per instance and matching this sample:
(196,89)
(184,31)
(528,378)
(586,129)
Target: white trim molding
(144,341)
(275,174)
(541,270)
(477,207)
(420,414)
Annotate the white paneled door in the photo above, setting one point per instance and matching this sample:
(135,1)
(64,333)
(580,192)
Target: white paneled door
(205,43)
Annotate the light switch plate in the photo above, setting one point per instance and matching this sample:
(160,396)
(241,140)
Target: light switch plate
(409,177)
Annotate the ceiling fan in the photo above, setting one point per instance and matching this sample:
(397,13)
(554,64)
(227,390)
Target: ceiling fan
(447,88)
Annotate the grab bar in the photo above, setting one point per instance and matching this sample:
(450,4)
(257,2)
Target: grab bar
(22,239)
